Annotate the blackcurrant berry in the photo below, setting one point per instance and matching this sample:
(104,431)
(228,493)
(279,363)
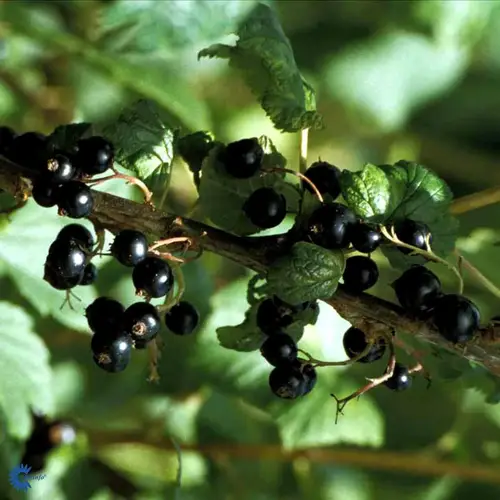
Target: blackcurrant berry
(182,319)
(355,343)
(360,273)
(59,169)
(242,159)
(29,150)
(111,352)
(142,321)
(104,314)
(94,155)
(66,258)
(401,379)
(273,315)
(310,377)
(325,177)
(7,136)
(129,247)
(279,349)
(456,318)
(89,275)
(265,208)
(58,282)
(287,382)
(45,193)
(412,233)
(75,199)
(79,234)
(329,225)
(153,277)
(364,238)
(417,289)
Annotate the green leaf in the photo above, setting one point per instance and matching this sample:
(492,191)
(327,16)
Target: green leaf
(25,243)
(65,137)
(194,148)
(222,197)
(144,144)
(265,57)
(307,272)
(25,380)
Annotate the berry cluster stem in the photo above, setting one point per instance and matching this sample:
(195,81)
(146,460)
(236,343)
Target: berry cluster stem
(304,146)
(476,274)
(300,176)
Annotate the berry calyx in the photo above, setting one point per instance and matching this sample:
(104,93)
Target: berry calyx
(182,319)
(129,247)
(142,321)
(104,314)
(79,234)
(456,318)
(287,382)
(45,193)
(111,351)
(279,349)
(329,225)
(75,200)
(242,159)
(59,169)
(7,136)
(355,342)
(265,208)
(153,277)
(360,273)
(325,177)
(401,379)
(89,275)
(412,233)
(66,259)
(94,155)
(417,289)
(364,238)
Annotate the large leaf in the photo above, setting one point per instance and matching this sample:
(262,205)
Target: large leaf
(265,57)
(24,248)
(307,272)
(25,378)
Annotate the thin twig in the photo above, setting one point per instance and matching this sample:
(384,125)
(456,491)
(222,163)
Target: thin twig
(474,201)
(304,146)
(477,275)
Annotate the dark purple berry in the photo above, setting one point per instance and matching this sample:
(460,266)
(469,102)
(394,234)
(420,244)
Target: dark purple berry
(94,155)
(59,169)
(400,380)
(45,193)
(104,314)
(75,200)
(360,273)
(66,258)
(265,208)
(242,159)
(329,225)
(79,234)
(364,238)
(142,321)
(58,282)
(412,233)
(89,275)
(325,177)
(279,349)
(287,382)
(182,319)
(355,343)
(129,247)
(111,350)
(153,277)
(29,150)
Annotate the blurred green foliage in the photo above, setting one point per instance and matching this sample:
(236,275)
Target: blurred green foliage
(415,80)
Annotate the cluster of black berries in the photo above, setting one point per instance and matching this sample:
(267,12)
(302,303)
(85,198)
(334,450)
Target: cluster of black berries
(46,436)
(62,174)
(291,377)
(265,207)
(419,292)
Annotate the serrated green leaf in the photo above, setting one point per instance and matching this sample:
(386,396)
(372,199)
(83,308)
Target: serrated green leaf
(65,137)
(24,247)
(194,148)
(306,273)
(221,197)
(265,57)
(25,380)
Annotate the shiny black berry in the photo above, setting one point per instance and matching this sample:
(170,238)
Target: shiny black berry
(182,319)
(66,258)
(75,200)
(417,289)
(94,155)
(7,136)
(355,343)
(412,233)
(401,379)
(104,314)
(111,350)
(287,382)
(59,169)
(79,234)
(364,238)
(456,318)
(242,159)
(142,321)
(279,349)
(310,378)
(89,275)
(265,208)
(360,273)
(29,150)
(325,177)
(54,279)
(273,315)
(129,247)
(45,193)
(329,225)
(153,277)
